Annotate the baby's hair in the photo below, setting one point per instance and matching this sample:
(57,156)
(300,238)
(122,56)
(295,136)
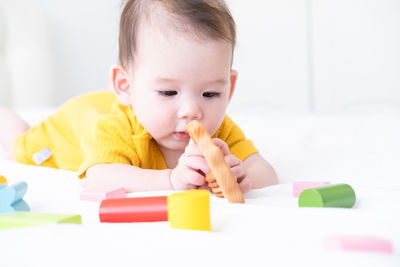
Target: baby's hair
(203,18)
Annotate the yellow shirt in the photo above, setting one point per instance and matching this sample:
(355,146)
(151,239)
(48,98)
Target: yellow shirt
(95,128)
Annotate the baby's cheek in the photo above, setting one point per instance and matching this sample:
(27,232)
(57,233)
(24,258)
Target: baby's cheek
(158,127)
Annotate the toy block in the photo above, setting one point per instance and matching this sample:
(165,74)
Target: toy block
(333,196)
(136,209)
(299,186)
(20,205)
(185,210)
(99,194)
(3,181)
(215,158)
(358,243)
(13,193)
(190,210)
(24,219)
(11,198)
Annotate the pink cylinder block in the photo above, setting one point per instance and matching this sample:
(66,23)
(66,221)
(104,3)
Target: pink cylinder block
(360,243)
(298,187)
(101,194)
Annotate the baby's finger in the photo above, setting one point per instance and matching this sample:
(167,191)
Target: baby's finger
(195,163)
(232,160)
(205,187)
(239,172)
(178,179)
(192,177)
(222,145)
(191,186)
(245,185)
(193,150)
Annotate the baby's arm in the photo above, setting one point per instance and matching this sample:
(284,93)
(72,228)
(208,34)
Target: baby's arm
(252,173)
(133,179)
(188,174)
(259,171)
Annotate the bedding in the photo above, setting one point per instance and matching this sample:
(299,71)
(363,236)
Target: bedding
(358,148)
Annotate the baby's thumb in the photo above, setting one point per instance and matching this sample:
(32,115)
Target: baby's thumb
(222,145)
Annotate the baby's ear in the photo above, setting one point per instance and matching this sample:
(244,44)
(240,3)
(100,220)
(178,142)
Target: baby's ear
(234,75)
(120,84)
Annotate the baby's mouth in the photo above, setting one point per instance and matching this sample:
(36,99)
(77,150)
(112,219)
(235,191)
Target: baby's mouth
(182,135)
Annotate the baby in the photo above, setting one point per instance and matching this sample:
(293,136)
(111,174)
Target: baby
(175,66)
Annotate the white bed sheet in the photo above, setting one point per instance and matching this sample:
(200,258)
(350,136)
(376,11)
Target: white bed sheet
(270,229)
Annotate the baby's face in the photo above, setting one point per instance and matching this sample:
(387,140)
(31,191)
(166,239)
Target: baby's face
(175,80)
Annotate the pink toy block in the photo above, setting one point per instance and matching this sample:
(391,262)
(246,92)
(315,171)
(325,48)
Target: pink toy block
(99,194)
(358,243)
(298,187)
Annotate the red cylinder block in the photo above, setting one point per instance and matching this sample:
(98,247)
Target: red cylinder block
(138,209)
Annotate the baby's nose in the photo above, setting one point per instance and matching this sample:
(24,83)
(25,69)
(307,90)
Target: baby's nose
(190,111)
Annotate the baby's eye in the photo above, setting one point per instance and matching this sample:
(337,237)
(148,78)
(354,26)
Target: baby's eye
(210,94)
(167,93)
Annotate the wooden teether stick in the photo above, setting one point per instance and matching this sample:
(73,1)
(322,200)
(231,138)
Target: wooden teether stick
(215,159)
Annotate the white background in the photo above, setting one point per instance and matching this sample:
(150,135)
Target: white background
(294,55)
(297,61)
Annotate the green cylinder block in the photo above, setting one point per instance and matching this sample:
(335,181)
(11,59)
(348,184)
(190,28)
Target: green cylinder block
(332,196)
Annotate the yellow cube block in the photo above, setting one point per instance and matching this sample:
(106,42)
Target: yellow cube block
(190,210)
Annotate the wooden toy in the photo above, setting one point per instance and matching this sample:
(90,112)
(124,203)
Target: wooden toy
(299,186)
(334,196)
(185,210)
(190,210)
(11,198)
(212,183)
(358,243)
(99,194)
(3,180)
(24,219)
(222,181)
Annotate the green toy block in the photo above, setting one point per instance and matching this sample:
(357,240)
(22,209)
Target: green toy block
(24,219)
(332,196)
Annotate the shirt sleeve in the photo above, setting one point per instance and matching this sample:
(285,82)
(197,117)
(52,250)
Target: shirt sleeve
(235,139)
(108,141)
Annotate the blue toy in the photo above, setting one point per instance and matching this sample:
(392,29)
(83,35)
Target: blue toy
(11,198)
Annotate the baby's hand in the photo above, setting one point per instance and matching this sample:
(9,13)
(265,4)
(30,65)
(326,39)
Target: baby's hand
(191,169)
(237,166)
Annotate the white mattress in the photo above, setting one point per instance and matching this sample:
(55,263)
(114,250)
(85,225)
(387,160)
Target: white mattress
(362,150)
